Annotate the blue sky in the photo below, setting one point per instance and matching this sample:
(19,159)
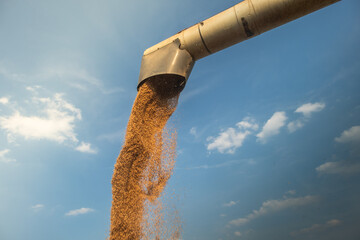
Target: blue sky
(268,130)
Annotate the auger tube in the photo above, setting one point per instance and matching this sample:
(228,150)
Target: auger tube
(176,55)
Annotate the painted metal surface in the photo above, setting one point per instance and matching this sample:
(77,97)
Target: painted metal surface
(245,20)
(169,59)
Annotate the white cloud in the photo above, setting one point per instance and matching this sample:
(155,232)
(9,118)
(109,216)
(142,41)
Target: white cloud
(37,207)
(56,122)
(306,109)
(290,192)
(227,141)
(309,108)
(79,211)
(232,138)
(193,131)
(352,135)
(237,233)
(229,204)
(333,222)
(4,100)
(85,148)
(339,168)
(272,126)
(239,221)
(317,227)
(272,206)
(33,88)
(5,159)
(248,123)
(295,125)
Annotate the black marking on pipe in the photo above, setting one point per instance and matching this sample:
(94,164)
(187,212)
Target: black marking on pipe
(245,24)
(202,39)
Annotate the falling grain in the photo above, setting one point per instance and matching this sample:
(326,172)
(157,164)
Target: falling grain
(144,167)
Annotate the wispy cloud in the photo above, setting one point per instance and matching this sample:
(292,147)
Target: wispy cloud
(188,94)
(237,234)
(317,227)
(272,126)
(3,157)
(73,76)
(230,204)
(306,109)
(33,88)
(342,168)
(295,125)
(309,108)
(71,73)
(352,135)
(9,75)
(37,207)
(79,211)
(78,78)
(232,138)
(272,206)
(193,131)
(290,192)
(86,148)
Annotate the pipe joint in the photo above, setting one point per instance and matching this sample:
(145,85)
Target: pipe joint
(167,60)
(175,57)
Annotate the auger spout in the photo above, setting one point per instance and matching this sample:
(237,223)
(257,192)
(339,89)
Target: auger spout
(171,61)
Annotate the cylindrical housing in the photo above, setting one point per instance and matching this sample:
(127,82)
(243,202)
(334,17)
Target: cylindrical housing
(247,19)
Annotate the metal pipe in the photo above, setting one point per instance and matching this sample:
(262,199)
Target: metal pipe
(177,54)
